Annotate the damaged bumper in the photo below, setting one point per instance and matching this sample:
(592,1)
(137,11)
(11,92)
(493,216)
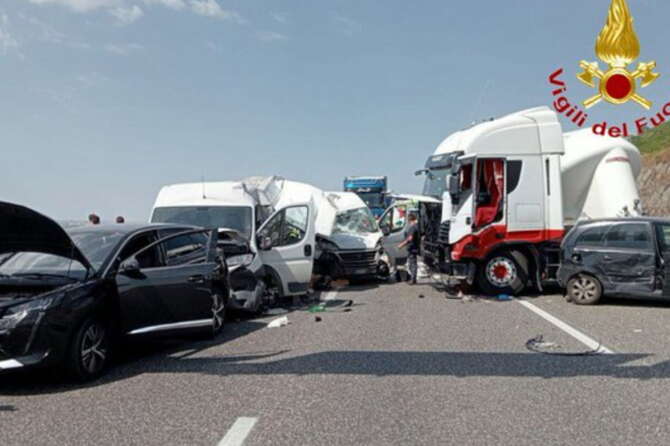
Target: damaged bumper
(359,263)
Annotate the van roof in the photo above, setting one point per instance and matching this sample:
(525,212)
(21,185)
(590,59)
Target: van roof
(221,193)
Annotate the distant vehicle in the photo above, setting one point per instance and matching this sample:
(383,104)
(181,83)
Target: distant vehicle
(348,238)
(626,257)
(67,297)
(372,190)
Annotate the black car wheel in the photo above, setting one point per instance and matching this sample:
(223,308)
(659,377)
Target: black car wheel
(584,290)
(503,272)
(89,350)
(218,313)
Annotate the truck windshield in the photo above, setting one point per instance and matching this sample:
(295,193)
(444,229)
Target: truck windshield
(436,182)
(355,221)
(372,199)
(233,217)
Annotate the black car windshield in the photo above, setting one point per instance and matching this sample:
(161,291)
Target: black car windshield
(96,246)
(233,217)
(436,183)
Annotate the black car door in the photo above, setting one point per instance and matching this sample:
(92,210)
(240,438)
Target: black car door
(629,258)
(138,290)
(189,273)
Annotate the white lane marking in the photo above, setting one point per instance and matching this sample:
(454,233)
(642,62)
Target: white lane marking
(238,432)
(581,337)
(330,295)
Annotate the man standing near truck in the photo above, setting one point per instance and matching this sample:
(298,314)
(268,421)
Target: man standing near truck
(413,242)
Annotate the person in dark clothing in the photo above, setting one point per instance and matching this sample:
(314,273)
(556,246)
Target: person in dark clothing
(413,242)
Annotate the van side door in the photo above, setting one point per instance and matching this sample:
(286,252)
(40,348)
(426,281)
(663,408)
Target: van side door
(286,244)
(393,224)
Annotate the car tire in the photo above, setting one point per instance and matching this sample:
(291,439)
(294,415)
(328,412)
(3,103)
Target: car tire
(88,352)
(584,289)
(503,272)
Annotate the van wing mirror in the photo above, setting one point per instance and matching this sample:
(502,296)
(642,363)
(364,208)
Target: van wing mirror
(264,243)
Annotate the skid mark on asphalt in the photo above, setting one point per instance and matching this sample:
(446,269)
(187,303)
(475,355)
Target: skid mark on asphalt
(238,432)
(581,337)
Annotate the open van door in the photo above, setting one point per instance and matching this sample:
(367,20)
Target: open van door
(286,244)
(393,223)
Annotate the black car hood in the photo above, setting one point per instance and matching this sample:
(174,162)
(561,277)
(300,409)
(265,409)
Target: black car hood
(24,230)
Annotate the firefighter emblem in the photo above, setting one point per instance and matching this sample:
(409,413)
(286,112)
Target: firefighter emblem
(618,46)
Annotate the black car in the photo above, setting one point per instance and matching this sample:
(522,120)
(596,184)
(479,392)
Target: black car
(623,257)
(66,298)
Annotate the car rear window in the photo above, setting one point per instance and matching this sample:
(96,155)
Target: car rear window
(629,236)
(593,236)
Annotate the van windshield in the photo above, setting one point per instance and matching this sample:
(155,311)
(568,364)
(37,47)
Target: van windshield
(234,217)
(355,221)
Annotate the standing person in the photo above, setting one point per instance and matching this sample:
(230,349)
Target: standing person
(120,219)
(94,219)
(413,242)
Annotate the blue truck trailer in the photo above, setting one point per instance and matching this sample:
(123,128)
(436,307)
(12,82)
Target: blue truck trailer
(372,190)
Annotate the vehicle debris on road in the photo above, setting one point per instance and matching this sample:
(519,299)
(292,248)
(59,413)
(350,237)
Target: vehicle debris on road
(279,322)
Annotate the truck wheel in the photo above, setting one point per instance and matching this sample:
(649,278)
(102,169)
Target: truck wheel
(504,272)
(584,290)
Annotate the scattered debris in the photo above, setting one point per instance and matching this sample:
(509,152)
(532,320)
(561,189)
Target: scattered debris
(638,330)
(319,308)
(346,310)
(421,296)
(348,303)
(279,322)
(338,284)
(504,297)
(538,345)
(466,298)
(276,311)
(317,319)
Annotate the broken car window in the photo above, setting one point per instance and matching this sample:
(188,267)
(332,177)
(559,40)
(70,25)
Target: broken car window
(188,248)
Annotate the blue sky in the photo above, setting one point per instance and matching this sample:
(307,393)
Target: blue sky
(105,101)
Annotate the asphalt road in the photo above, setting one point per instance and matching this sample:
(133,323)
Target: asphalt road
(396,369)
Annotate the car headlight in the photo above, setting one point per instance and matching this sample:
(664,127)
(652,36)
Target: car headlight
(17,313)
(241,260)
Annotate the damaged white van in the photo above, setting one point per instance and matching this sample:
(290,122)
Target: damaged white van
(349,241)
(275,216)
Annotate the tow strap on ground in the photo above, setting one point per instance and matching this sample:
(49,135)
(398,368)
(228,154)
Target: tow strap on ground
(539,345)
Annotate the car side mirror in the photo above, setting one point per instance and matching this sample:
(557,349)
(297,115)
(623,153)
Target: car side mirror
(264,243)
(130,266)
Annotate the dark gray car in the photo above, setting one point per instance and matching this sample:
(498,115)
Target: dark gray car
(623,257)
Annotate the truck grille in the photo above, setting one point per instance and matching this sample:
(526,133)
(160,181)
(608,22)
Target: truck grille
(358,262)
(443,235)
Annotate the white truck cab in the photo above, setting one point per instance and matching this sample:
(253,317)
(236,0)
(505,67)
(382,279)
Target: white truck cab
(276,216)
(511,188)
